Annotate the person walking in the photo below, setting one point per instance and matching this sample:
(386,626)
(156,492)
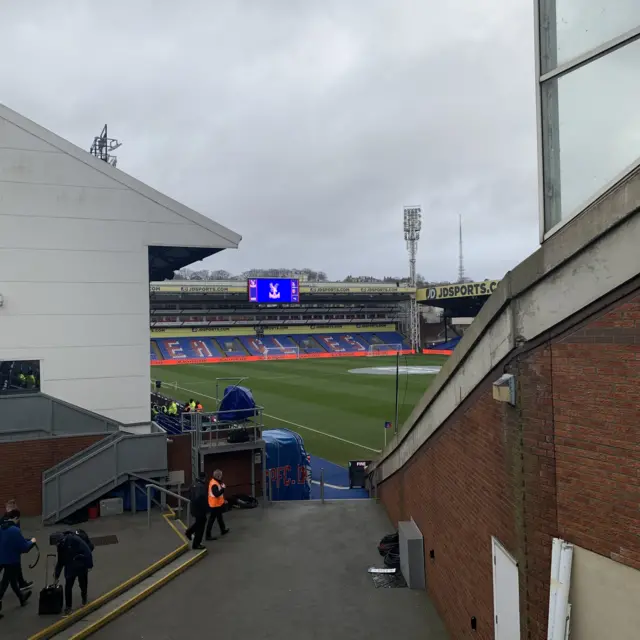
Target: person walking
(199,508)
(12,545)
(216,504)
(12,505)
(75,556)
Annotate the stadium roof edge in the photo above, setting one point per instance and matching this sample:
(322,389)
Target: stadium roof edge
(223,238)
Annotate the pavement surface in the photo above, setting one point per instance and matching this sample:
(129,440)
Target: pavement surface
(292,570)
(137,548)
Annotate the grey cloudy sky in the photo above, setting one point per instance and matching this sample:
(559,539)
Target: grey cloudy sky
(305,126)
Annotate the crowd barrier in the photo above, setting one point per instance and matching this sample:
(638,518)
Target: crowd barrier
(337,354)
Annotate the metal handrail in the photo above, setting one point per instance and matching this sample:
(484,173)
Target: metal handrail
(67,462)
(167,493)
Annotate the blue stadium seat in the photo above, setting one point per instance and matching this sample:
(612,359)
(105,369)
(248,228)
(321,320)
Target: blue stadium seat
(188,348)
(341,342)
(309,344)
(255,346)
(230,346)
(449,345)
(239,346)
(392,337)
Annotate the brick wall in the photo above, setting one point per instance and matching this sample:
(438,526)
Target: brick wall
(565,462)
(598,434)
(179,456)
(24,462)
(235,465)
(236,469)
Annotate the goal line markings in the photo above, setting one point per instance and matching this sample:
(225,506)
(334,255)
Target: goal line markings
(295,424)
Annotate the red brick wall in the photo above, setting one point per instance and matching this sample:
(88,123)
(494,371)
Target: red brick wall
(179,456)
(598,434)
(236,470)
(22,464)
(235,466)
(564,462)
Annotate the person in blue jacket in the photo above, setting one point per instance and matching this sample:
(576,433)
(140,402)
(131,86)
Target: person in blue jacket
(12,545)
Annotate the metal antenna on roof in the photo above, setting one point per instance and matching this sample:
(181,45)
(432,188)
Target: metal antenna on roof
(102,147)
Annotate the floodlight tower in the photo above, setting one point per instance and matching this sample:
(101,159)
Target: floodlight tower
(412,226)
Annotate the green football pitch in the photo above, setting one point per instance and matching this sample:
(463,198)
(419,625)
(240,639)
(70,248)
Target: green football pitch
(339,414)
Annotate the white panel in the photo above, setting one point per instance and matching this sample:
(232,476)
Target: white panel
(82,202)
(130,415)
(12,137)
(76,233)
(94,362)
(28,265)
(70,234)
(100,394)
(187,235)
(75,299)
(36,167)
(506,594)
(29,333)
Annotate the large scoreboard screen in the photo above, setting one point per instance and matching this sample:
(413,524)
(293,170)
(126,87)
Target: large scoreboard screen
(274,290)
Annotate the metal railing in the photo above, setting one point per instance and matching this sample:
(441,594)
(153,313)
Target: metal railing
(83,454)
(166,492)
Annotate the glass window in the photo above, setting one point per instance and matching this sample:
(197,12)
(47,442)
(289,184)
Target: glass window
(591,130)
(19,376)
(570,28)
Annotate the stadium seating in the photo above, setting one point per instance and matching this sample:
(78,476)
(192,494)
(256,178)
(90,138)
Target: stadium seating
(308,344)
(449,345)
(188,348)
(152,353)
(230,346)
(389,337)
(341,343)
(242,346)
(256,346)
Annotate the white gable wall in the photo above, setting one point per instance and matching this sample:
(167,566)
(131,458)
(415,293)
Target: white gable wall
(74,238)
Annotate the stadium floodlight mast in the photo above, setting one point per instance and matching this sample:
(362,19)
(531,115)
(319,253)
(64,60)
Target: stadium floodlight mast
(412,227)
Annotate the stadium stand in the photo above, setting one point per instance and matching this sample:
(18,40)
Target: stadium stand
(449,345)
(309,344)
(231,346)
(252,346)
(256,346)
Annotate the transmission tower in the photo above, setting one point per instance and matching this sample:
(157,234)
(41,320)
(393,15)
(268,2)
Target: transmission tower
(102,147)
(461,276)
(412,226)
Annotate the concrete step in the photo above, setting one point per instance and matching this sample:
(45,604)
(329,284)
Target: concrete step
(97,619)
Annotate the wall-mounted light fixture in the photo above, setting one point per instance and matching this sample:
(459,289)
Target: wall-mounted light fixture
(504,389)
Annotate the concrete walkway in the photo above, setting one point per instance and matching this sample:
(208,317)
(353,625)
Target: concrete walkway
(292,570)
(137,548)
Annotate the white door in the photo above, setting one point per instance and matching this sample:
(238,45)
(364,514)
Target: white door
(506,594)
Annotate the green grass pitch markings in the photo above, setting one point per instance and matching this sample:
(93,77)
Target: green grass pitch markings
(318,394)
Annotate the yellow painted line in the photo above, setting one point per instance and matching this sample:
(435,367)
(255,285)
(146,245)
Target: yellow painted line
(81,613)
(129,604)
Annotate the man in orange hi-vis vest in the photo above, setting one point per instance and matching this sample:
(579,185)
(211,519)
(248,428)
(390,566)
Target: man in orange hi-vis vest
(216,504)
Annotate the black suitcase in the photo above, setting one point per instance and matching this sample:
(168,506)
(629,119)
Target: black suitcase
(51,597)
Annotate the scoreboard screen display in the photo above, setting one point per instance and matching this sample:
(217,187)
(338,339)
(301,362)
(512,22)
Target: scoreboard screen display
(274,290)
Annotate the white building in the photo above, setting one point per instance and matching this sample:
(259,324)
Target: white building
(78,239)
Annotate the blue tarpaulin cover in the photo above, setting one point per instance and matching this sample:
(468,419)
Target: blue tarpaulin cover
(237,405)
(287,464)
